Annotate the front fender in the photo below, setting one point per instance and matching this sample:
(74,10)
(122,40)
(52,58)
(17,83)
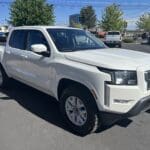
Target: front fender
(87,75)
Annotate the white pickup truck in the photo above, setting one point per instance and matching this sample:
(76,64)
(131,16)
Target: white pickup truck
(95,85)
(113,38)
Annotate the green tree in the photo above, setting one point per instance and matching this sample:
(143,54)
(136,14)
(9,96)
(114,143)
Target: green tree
(112,19)
(144,22)
(31,12)
(75,25)
(88,17)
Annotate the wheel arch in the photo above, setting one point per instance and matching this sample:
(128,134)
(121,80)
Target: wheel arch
(64,83)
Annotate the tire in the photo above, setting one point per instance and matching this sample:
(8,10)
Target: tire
(120,45)
(90,121)
(4,79)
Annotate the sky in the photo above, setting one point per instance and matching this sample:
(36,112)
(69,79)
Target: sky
(63,8)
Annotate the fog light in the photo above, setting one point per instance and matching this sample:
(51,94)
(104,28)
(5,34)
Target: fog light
(122,101)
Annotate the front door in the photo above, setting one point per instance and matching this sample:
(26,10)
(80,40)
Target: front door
(38,68)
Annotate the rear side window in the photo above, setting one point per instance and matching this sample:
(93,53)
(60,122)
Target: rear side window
(18,39)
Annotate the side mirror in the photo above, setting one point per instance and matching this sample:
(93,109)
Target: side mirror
(39,48)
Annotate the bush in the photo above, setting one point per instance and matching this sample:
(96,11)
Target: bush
(128,40)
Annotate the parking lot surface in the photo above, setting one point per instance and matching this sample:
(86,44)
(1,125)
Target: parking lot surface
(30,120)
(137,47)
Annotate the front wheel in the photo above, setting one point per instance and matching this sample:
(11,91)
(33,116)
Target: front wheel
(79,110)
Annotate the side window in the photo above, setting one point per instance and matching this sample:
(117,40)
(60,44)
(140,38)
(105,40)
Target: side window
(17,39)
(36,37)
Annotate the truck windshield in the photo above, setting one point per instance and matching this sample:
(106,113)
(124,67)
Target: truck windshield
(74,39)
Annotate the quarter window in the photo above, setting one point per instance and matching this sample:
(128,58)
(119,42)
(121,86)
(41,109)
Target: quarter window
(18,39)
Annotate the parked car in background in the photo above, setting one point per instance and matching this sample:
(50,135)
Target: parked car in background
(3,36)
(144,35)
(149,39)
(101,34)
(113,38)
(145,38)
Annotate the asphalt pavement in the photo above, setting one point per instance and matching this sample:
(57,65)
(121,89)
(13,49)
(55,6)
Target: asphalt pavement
(30,120)
(137,47)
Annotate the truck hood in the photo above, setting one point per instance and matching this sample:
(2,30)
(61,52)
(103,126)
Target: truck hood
(112,58)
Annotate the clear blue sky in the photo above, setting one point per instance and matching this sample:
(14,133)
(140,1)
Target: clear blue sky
(63,8)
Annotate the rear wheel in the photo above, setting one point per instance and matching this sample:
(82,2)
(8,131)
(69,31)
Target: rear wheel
(120,45)
(3,78)
(79,110)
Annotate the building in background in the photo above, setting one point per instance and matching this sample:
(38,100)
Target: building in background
(3,33)
(74,19)
(3,28)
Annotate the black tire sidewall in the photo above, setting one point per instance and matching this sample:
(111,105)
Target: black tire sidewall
(87,99)
(5,78)
(1,70)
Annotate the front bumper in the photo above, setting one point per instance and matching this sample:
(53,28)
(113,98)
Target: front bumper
(121,99)
(141,106)
(112,42)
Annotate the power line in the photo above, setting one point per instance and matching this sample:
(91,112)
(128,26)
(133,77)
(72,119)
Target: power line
(94,3)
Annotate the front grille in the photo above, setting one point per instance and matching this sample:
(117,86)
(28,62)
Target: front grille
(147,78)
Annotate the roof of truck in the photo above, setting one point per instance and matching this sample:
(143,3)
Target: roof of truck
(43,27)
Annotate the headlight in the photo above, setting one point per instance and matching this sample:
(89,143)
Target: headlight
(121,77)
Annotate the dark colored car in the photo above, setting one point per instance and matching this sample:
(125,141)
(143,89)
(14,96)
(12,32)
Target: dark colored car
(149,39)
(3,36)
(144,35)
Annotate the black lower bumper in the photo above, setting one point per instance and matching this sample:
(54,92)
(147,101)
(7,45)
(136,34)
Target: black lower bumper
(141,106)
(112,42)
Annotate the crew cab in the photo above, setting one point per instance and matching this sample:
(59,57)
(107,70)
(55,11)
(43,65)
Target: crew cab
(95,85)
(113,38)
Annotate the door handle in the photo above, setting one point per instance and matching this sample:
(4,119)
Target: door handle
(24,56)
(8,52)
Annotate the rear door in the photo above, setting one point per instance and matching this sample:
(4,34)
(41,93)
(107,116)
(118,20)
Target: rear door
(14,54)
